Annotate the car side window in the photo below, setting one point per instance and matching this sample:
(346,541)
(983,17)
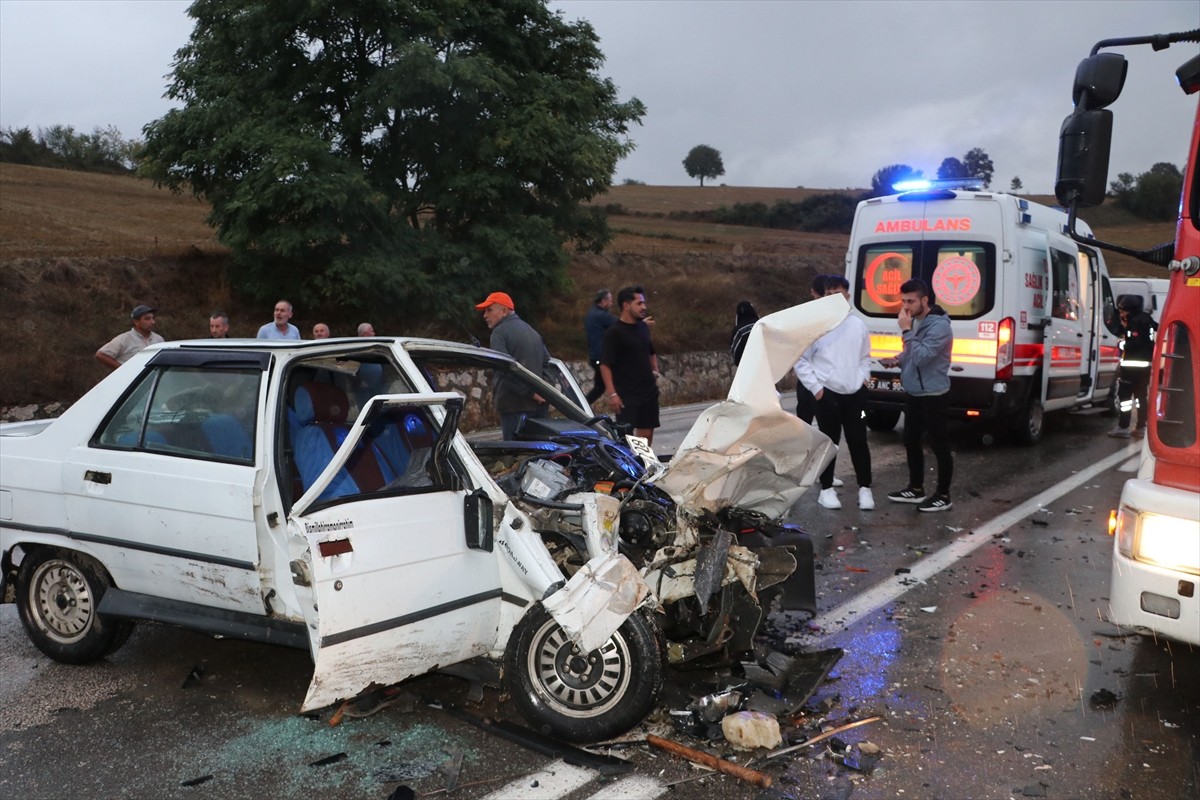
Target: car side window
(188,411)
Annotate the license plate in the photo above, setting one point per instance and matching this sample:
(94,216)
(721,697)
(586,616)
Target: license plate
(885,384)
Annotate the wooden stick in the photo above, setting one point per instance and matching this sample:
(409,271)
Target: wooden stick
(821,737)
(710,761)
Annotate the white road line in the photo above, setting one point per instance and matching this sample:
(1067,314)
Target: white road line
(556,779)
(1131,465)
(838,619)
(635,787)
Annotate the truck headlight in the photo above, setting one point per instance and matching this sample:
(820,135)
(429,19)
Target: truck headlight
(1159,539)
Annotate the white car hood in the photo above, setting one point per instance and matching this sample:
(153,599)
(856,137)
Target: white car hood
(747,450)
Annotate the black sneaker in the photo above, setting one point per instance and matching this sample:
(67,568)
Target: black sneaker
(909,495)
(937,502)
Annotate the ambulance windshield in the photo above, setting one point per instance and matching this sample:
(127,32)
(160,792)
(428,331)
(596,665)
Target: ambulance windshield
(962,275)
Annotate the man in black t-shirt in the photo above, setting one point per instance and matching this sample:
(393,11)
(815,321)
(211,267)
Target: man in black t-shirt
(629,366)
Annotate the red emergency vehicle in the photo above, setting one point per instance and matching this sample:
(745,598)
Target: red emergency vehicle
(1156,550)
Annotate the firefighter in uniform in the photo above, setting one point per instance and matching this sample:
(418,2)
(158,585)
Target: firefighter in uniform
(1136,356)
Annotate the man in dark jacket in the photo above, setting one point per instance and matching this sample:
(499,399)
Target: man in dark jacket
(595,323)
(1136,357)
(925,374)
(514,336)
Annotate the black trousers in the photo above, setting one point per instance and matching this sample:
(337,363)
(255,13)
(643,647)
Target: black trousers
(844,412)
(1135,382)
(925,415)
(806,405)
(597,384)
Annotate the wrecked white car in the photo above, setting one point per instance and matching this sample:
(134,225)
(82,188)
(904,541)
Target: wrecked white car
(348,496)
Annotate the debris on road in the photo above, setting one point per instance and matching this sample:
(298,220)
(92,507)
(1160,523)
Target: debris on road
(751,730)
(575,756)
(710,761)
(1103,698)
(193,677)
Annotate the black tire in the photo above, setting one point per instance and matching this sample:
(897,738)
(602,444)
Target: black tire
(1029,424)
(1112,401)
(583,697)
(58,597)
(882,421)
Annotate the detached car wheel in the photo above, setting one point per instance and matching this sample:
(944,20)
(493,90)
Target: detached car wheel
(584,697)
(58,594)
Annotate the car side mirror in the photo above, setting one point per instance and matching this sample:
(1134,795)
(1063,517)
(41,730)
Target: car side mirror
(477,520)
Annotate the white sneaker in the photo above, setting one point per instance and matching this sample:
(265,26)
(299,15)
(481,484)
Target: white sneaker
(838,482)
(866,500)
(828,499)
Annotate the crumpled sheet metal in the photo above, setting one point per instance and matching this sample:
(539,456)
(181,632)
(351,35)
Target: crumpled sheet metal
(598,599)
(747,450)
(675,580)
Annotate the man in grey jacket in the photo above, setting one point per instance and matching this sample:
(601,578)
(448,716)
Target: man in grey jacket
(925,374)
(515,337)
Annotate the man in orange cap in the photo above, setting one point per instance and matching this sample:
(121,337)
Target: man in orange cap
(515,337)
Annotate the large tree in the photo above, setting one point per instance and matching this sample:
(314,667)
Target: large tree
(951,168)
(703,162)
(408,153)
(979,165)
(883,180)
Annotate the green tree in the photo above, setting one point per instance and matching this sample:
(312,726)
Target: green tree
(978,165)
(1152,195)
(1016,185)
(952,168)
(398,153)
(704,162)
(883,180)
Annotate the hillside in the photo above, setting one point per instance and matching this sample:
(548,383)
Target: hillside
(78,250)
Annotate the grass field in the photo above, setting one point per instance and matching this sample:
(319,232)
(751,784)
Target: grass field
(78,250)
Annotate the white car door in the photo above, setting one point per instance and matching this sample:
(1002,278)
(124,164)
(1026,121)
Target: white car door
(399,577)
(168,481)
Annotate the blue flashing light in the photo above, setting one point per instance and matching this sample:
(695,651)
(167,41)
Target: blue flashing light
(911,186)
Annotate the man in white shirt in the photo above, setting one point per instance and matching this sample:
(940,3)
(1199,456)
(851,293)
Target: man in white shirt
(131,342)
(836,369)
(280,328)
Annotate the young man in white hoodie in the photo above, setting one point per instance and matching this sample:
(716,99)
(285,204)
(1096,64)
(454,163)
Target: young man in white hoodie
(835,369)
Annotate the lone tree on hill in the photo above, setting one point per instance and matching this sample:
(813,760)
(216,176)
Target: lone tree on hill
(1016,185)
(704,162)
(393,153)
(883,180)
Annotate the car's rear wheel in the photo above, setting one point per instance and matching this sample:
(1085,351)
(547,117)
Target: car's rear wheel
(58,597)
(583,697)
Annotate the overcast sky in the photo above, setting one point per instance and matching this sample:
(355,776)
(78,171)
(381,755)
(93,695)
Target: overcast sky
(791,92)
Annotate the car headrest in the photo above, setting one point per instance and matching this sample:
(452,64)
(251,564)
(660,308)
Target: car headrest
(321,402)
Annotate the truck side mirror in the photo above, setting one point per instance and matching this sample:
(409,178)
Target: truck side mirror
(1083,148)
(1099,80)
(477,520)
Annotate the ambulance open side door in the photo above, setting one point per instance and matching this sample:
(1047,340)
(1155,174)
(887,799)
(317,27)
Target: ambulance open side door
(1069,334)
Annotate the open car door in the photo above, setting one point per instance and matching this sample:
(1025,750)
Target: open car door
(391,550)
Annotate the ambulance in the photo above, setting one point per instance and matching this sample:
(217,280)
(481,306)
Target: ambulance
(1032,310)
